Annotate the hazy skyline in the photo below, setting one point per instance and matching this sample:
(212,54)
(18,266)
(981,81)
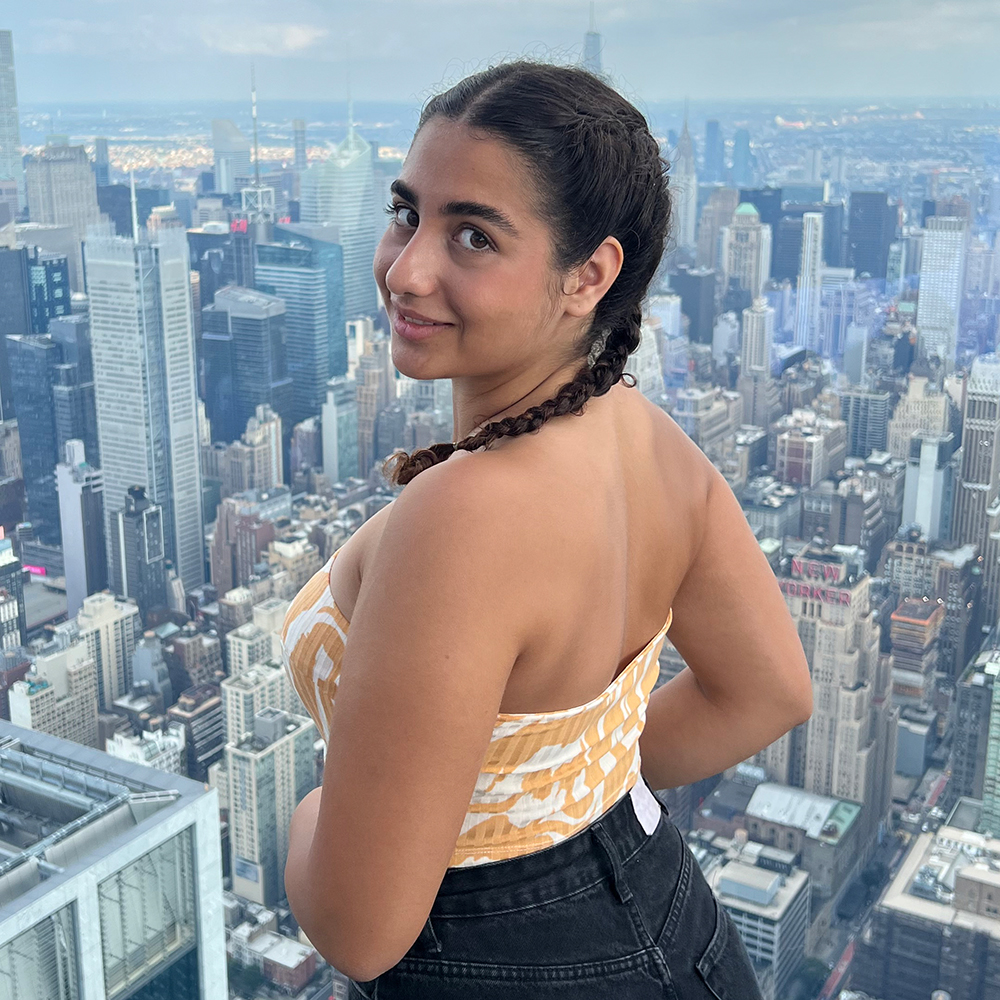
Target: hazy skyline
(405,49)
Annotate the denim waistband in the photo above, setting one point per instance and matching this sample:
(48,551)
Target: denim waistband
(588,856)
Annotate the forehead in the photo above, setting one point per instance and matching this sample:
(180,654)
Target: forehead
(448,161)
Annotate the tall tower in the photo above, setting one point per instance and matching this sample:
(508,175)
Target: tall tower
(592,47)
(257,201)
(939,295)
(684,182)
(232,155)
(715,152)
(341,192)
(10,127)
(299,138)
(144,382)
(807,302)
(746,250)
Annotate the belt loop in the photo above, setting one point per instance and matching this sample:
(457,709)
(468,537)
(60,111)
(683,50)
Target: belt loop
(621,885)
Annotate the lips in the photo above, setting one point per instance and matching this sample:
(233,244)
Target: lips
(419,319)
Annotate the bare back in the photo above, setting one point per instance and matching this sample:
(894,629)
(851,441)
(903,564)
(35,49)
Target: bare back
(613,502)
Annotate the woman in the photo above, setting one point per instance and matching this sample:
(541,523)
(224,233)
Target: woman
(485,825)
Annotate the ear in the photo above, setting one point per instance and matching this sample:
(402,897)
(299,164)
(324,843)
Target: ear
(586,285)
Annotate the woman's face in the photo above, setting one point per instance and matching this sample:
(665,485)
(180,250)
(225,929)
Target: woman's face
(465,250)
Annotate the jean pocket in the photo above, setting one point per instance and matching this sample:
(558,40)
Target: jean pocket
(725,966)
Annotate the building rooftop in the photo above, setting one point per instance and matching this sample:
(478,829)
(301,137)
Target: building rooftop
(64,806)
(818,816)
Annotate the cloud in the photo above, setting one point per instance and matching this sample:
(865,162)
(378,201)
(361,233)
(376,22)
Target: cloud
(275,39)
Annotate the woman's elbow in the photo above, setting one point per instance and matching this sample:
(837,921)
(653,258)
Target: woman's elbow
(799,696)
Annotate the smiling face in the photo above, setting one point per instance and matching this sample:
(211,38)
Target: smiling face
(467,249)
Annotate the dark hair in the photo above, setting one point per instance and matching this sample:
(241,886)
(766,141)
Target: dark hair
(598,173)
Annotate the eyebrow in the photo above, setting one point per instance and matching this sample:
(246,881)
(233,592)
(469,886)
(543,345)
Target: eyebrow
(474,208)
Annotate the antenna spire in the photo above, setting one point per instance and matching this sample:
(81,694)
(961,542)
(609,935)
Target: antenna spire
(253,112)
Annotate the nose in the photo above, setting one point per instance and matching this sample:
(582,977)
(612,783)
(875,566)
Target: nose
(414,271)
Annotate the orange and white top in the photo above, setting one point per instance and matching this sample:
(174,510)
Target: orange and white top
(545,775)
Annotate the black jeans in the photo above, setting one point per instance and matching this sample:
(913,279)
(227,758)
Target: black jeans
(610,912)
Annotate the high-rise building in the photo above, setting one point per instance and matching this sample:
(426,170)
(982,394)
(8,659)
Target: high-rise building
(299,142)
(939,295)
(808,294)
(10,124)
(62,191)
(115,840)
(59,695)
(746,250)
(867,416)
(13,621)
(932,473)
(144,380)
(743,160)
(921,408)
(759,390)
(110,630)
(136,552)
(262,685)
(375,381)
(340,429)
(244,354)
(592,47)
(74,410)
(239,544)
(915,627)
(266,773)
(974,696)
(32,360)
(199,712)
(990,820)
(684,184)
(716,213)
(696,287)
(102,162)
(871,227)
(340,192)
(292,272)
(163,749)
(81,518)
(232,156)
(196,654)
(715,152)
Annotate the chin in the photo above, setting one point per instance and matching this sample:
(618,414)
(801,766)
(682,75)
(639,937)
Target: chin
(425,369)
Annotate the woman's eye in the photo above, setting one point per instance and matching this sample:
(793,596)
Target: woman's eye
(400,217)
(474,239)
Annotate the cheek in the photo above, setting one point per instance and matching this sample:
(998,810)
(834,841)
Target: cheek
(385,254)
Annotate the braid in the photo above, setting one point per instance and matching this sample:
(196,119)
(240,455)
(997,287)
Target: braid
(591,380)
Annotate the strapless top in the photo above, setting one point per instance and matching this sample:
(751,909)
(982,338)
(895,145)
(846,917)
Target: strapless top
(545,776)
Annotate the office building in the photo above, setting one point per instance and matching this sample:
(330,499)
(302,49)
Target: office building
(163,749)
(150,667)
(264,684)
(244,355)
(914,627)
(932,473)
(684,184)
(62,191)
(974,698)
(120,839)
(696,288)
(239,545)
(265,774)
(936,926)
(81,518)
(10,124)
(871,228)
(199,712)
(144,380)
(340,429)
(196,655)
(716,213)
(32,360)
(921,408)
(231,156)
(743,160)
(74,410)
(249,644)
(715,152)
(138,570)
(592,47)
(867,416)
(375,379)
(746,250)
(340,191)
(13,622)
(939,295)
(808,447)
(301,160)
(808,292)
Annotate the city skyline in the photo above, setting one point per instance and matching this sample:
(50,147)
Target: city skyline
(95,48)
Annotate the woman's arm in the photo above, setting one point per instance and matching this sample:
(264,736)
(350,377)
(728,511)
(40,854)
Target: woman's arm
(748,681)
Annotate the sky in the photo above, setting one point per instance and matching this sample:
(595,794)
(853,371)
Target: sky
(68,50)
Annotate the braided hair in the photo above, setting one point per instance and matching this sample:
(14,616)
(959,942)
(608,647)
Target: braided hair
(599,173)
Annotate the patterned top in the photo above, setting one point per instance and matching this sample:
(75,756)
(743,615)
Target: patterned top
(545,775)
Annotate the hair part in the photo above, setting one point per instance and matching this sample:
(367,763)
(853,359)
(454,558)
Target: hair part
(598,172)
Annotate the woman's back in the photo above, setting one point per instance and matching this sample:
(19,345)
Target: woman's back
(602,564)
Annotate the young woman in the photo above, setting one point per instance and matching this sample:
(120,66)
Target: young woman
(485,827)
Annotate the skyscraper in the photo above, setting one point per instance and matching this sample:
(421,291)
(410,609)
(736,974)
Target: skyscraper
(110,630)
(871,227)
(684,184)
(716,213)
(102,163)
(341,192)
(592,47)
(10,125)
(232,155)
(13,627)
(746,250)
(759,390)
(807,300)
(939,295)
(62,191)
(136,552)
(340,429)
(144,381)
(299,139)
(715,152)
(743,169)
(81,517)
